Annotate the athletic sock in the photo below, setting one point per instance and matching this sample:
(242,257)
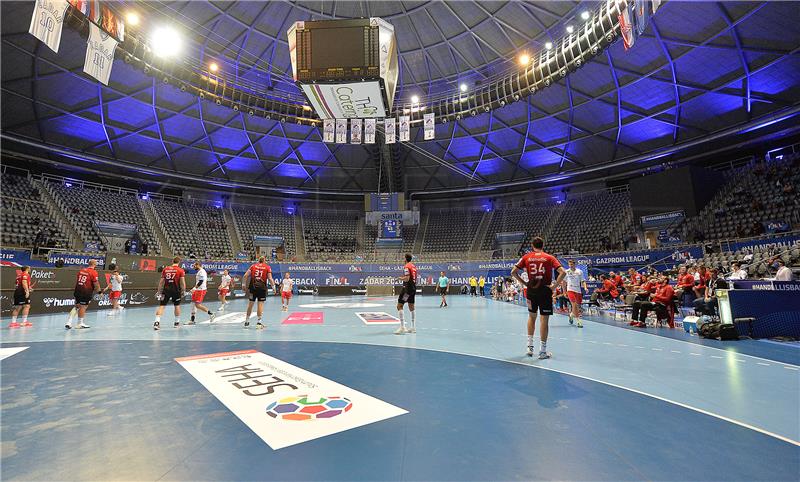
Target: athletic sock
(402,321)
(530,340)
(13,318)
(259,319)
(177,319)
(544,346)
(80,321)
(413,319)
(24,318)
(158,318)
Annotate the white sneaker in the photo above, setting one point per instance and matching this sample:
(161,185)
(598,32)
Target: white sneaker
(580,323)
(543,355)
(401,331)
(412,330)
(84,325)
(530,350)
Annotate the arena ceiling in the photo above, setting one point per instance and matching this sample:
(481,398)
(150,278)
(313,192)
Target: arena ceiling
(700,68)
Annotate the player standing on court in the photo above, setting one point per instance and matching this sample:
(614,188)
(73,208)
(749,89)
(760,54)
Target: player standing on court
(87,284)
(575,286)
(22,297)
(407,295)
(539,266)
(286,291)
(255,279)
(224,287)
(171,287)
(444,285)
(115,288)
(199,293)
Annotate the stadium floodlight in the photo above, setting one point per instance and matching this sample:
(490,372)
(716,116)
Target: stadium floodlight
(463,87)
(415,99)
(524,59)
(585,15)
(132,18)
(548,45)
(213,67)
(570,29)
(165,42)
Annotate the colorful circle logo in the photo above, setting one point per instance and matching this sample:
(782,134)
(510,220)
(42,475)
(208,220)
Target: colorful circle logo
(304,407)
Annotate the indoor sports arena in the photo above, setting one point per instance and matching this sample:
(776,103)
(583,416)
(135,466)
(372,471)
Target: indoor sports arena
(217,217)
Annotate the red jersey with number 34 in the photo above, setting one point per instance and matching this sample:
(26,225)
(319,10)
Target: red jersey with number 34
(539,266)
(172,276)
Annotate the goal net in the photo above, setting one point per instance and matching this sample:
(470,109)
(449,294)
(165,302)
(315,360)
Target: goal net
(379,285)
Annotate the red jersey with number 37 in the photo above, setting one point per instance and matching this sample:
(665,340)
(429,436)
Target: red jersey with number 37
(172,277)
(539,266)
(85,280)
(260,271)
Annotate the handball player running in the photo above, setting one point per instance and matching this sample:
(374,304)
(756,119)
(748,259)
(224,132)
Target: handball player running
(286,291)
(86,285)
(255,279)
(22,297)
(115,289)
(171,287)
(575,286)
(407,295)
(224,287)
(539,266)
(199,293)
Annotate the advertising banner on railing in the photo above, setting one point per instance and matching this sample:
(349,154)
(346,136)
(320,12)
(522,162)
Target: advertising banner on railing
(15,257)
(780,243)
(654,221)
(76,259)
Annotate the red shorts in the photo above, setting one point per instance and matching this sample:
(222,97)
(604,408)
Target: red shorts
(223,291)
(114,295)
(198,296)
(286,295)
(575,297)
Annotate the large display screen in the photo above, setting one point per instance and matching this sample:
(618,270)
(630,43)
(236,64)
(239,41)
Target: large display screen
(337,48)
(390,229)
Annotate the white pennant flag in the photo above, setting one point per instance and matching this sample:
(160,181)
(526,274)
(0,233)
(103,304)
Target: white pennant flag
(327,130)
(99,54)
(355,131)
(47,22)
(369,131)
(390,130)
(341,131)
(430,126)
(405,129)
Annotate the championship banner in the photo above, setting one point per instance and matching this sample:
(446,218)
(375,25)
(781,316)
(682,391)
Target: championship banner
(655,4)
(283,404)
(626,27)
(327,130)
(355,131)
(99,54)
(369,131)
(404,128)
(341,131)
(390,131)
(47,22)
(642,12)
(430,127)
(102,16)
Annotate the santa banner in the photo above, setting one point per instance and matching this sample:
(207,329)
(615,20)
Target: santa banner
(341,131)
(405,129)
(355,131)
(390,130)
(48,21)
(99,54)
(369,131)
(429,126)
(328,130)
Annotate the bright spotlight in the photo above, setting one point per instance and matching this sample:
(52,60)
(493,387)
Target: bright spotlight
(165,42)
(132,18)
(213,67)
(570,29)
(463,87)
(414,99)
(585,15)
(548,45)
(524,59)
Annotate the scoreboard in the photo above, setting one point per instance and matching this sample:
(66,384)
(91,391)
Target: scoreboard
(390,229)
(386,201)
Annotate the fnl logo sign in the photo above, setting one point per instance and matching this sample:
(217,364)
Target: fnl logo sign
(283,404)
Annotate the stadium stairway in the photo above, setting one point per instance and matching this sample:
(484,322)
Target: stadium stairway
(299,235)
(157,228)
(480,234)
(421,230)
(75,240)
(552,220)
(233,229)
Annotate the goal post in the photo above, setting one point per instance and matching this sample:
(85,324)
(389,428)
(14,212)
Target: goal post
(379,285)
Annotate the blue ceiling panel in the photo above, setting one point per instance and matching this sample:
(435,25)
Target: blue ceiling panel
(539,158)
(290,170)
(229,140)
(130,113)
(505,140)
(549,131)
(465,148)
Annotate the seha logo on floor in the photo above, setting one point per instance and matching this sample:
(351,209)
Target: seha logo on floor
(268,394)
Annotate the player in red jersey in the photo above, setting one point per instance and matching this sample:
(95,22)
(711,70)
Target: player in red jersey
(171,287)
(539,266)
(407,295)
(22,297)
(255,282)
(87,284)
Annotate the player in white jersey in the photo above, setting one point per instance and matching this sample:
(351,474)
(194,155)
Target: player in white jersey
(286,291)
(115,288)
(199,293)
(575,285)
(225,284)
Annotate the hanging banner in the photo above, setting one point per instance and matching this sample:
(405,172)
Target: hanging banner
(655,4)
(355,131)
(404,128)
(369,131)
(430,127)
(328,126)
(47,22)
(390,131)
(642,12)
(99,54)
(341,131)
(102,16)
(626,27)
